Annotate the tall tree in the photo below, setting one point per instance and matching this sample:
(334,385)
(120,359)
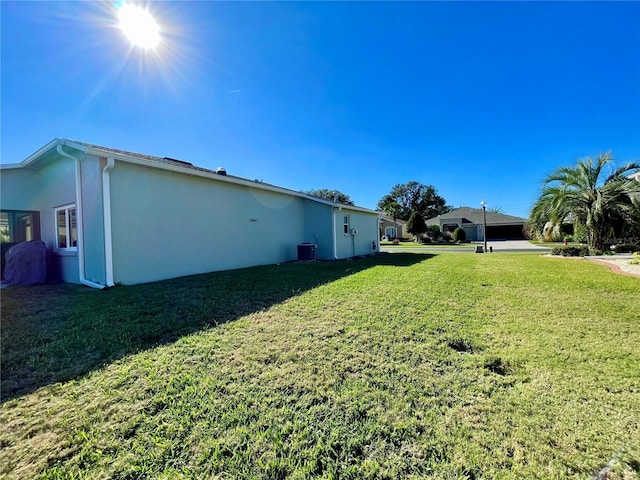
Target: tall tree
(416,225)
(327,194)
(594,200)
(413,197)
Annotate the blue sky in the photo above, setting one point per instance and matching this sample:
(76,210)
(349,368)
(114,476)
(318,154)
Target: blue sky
(480,100)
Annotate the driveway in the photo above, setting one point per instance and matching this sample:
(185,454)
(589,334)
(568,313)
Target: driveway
(515,246)
(497,245)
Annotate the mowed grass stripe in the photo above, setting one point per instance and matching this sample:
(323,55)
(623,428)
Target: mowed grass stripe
(405,366)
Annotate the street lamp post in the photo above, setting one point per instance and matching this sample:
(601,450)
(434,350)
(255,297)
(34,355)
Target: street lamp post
(484,223)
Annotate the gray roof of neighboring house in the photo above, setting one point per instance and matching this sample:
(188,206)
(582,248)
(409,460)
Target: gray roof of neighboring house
(474,215)
(390,220)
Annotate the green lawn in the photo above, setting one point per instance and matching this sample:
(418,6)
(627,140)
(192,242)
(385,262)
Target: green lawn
(447,366)
(555,244)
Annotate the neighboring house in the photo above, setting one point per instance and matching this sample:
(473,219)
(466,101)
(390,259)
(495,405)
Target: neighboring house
(391,229)
(108,216)
(499,225)
(637,177)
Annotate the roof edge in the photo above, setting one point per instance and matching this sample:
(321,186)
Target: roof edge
(34,157)
(198,171)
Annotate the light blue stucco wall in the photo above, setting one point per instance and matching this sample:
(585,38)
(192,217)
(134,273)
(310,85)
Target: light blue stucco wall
(92,206)
(16,186)
(318,219)
(167,224)
(361,244)
(52,184)
(56,187)
(42,190)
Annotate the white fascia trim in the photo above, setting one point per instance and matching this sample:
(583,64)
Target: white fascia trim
(10,166)
(33,157)
(341,205)
(74,145)
(362,210)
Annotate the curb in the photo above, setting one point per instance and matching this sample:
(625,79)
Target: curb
(614,268)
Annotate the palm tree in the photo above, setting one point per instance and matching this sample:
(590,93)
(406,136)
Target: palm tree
(393,209)
(583,192)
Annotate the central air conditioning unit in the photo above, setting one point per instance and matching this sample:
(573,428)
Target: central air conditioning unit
(307,251)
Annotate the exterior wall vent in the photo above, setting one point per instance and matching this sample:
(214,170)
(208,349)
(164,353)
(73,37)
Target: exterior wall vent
(221,171)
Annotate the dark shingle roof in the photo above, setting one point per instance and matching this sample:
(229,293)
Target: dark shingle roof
(143,156)
(390,219)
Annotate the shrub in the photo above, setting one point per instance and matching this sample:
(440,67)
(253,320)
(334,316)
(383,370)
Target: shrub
(459,235)
(567,251)
(434,232)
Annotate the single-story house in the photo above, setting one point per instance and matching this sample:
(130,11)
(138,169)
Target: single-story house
(636,176)
(109,216)
(391,229)
(499,225)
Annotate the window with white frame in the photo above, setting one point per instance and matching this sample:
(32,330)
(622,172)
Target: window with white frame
(66,228)
(346,226)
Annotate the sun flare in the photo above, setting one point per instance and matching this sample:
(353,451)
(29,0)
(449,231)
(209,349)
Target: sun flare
(139,26)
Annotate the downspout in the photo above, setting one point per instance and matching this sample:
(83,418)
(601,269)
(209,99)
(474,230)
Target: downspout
(106,209)
(80,222)
(335,239)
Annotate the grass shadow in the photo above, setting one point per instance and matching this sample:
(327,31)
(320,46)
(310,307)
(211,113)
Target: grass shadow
(55,333)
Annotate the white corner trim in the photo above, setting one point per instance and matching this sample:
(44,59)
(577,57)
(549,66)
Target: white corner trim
(335,231)
(79,219)
(106,212)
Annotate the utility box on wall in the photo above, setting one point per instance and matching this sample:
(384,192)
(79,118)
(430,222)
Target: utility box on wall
(307,251)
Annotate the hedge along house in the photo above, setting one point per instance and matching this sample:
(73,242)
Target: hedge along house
(109,216)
